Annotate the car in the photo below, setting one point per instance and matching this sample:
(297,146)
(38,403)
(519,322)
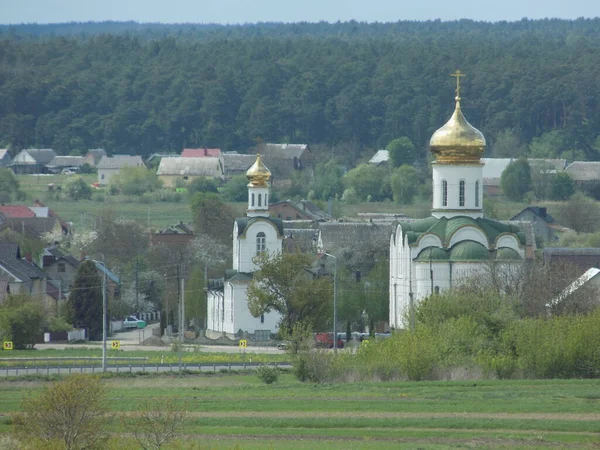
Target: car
(325,340)
(283,346)
(133,322)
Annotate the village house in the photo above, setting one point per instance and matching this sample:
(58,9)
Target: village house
(60,163)
(110,166)
(5,159)
(303,210)
(284,159)
(234,163)
(201,153)
(181,171)
(380,158)
(586,174)
(544,225)
(60,267)
(93,156)
(32,161)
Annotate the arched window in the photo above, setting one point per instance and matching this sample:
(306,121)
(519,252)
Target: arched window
(444,193)
(477,194)
(266,196)
(252,200)
(259,199)
(461,193)
(261,243)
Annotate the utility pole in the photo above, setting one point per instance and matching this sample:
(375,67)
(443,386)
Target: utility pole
(431,273)
(181,287)
(137,289)
(104,318)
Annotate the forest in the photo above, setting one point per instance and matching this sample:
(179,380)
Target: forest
(143,88)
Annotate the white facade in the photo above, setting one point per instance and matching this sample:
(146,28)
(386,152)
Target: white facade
(457,190)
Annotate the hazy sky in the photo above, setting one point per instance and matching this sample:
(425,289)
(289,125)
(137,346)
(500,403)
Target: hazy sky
(244,11)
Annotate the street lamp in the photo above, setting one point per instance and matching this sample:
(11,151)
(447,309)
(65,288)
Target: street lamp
(104,312)
(335,340)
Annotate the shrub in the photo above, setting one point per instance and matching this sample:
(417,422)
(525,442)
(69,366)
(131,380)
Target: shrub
(58,324)
(316,366)
(157,423)
(78,189)
(267,374)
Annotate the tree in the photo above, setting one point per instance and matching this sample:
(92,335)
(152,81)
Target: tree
(580,213)
(236,189)
(402,151)
(9,186)
(212,216)
(516,180)
(285,283)
(78,189)
(69,412)
(368,180)
(136,181)
(157,423)
(561,186)
(85,302)
(202,184)
(21,320)
(508,145)
(405,184)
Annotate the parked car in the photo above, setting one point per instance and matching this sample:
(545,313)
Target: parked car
(133,322)
(325,340)
(283,346)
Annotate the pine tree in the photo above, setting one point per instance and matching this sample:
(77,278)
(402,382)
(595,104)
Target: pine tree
(85,302)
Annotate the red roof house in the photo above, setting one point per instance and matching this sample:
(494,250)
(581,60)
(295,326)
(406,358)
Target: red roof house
(16,211)
(201,152)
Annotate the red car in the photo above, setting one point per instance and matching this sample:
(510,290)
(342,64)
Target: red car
(325,340)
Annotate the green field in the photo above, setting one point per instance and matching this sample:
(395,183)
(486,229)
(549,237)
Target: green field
(238,411)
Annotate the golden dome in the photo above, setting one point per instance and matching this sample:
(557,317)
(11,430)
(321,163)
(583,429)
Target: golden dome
(457,142)
(258,174)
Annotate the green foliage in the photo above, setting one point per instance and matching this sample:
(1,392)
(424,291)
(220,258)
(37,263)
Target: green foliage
(21,320)
(401,151)
(236,189)
(549,145)
(203,184)
(86,169)
(135,181)
(9,186)
(405,184)
(316,366)
(267,374)
(69,412)
(78,189)
(580,213)
(561,186)
(508,145)
(58,324)
(516,180)
(328,180)
(85,302)
(366,180)
(283,283)
(210,213)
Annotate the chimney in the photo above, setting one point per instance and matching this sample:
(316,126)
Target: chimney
(28,256)
(205,151)
(543,213)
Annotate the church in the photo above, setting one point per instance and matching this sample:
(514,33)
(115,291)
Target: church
(457,242)
(227,301)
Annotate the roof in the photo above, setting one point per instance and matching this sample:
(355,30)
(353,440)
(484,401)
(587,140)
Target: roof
(584,170)
(538,211)
(33,226)
(16,211)
(110,275)
(585,258)
(51,213)
(287,151)
(493,167)
(300,239)
(551,164)
(338,235)
(39,155)
(119,161)
(245,222)
(466,251)
(4,153)
(381,156)
(10,260)
(575,285)
(234,163)
(445,227)
(307,208)
(96,152)
(201,152)
(179,166)
(59,254)
(67,161)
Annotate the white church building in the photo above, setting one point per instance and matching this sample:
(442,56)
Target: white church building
(227,301)
(457,242)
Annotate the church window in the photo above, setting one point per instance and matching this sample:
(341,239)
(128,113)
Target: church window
(444,193)
(477,193)
(461,193)
(262,318)
(260,242)
(252,199)
(259,199)
(266,199)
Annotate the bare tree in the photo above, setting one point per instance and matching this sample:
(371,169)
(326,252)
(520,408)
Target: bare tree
(157,423)
(70,411)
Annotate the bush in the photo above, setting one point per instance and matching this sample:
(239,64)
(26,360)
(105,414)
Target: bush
(78,189)
(167,195)
(267,374)
(316,366)
(56,324)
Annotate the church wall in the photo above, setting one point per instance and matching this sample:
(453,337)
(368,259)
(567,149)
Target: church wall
(469,234)
(247,244)
(441,278)
(245,321)
(453,174)
(508,240)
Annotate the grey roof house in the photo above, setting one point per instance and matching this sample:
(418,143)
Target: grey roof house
(109,166)
(380,158)
(283,159)
(544,225)
(234,163)
(63,162)
(19,276)
(584,171)
(93,156)
(5,158)
(170,170)
(32,160)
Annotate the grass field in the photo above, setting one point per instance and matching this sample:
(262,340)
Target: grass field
(238,411)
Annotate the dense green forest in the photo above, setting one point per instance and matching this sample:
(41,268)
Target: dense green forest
(141,88)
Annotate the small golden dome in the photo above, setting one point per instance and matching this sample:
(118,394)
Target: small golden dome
(457,142)
(258,174)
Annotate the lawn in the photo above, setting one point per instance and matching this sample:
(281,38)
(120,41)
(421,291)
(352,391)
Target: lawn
(238,411)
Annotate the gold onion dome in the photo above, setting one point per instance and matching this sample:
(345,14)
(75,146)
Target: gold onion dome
(258,174)
(457,142)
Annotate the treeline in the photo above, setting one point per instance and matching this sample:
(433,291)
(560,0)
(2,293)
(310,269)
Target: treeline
(147,88)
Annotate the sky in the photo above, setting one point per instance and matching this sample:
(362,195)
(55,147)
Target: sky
(252,11)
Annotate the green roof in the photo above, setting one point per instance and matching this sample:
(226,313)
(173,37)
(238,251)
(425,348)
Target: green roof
(432,254)
(507,253)
(466,251)
(469,251)
(445,227)
(244,222)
